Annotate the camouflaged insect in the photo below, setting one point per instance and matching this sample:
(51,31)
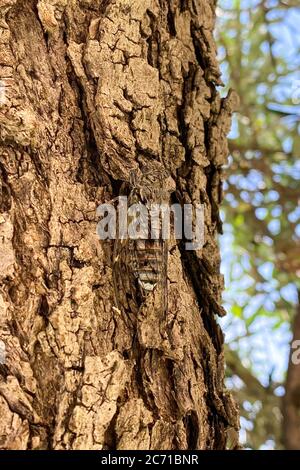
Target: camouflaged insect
(140,265)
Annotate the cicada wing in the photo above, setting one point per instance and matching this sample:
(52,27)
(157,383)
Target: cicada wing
(164,278)
(123,279)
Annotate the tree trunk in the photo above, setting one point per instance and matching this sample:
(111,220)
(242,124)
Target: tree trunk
(93,89)
(291,399)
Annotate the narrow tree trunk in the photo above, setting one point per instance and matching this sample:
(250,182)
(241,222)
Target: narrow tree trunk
(92,90)
(291,399)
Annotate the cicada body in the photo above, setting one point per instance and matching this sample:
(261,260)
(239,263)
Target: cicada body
(140,259)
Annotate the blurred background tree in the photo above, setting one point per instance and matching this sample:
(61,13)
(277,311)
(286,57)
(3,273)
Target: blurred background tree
(259,45)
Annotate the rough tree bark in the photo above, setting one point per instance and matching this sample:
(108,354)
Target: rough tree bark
(291,399)
(94,88)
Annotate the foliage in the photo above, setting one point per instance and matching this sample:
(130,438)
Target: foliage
(259,50)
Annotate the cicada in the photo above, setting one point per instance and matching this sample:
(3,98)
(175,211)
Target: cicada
(140,261)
